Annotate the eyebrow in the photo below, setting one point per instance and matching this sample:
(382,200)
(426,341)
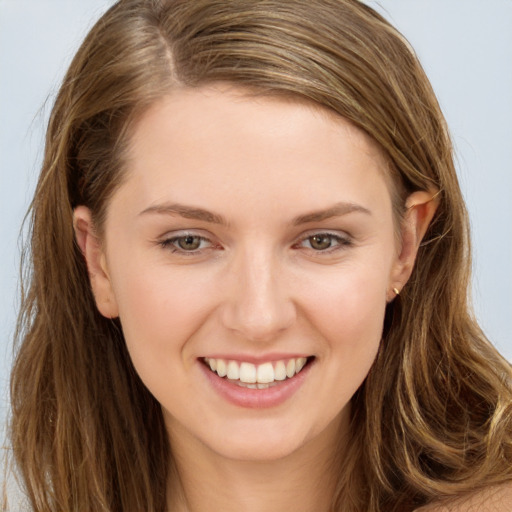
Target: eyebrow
(337,210)
(192,212)
(188,212)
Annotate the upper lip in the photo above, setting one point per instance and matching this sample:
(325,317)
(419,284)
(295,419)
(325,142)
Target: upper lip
(257,359)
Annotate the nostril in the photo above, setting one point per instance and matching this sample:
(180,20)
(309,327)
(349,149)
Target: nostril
(256,306)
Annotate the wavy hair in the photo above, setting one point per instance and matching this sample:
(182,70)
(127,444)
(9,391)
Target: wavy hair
(434,416)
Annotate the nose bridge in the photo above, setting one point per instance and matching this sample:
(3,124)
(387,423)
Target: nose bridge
(258,305)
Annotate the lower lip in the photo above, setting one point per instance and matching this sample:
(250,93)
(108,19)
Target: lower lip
(256,398)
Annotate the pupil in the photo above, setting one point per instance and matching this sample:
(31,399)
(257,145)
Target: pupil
(189,242)
(320,242)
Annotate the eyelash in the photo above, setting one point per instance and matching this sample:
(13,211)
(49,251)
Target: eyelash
(171,244)
(339,241)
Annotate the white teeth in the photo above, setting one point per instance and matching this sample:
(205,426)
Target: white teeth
(233,370)
(299,364)
(256,376)
(221,368)
(280,371)
(248,373)
(290,368)
(265,373)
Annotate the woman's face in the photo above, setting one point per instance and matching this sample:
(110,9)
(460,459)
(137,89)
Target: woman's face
(254,235)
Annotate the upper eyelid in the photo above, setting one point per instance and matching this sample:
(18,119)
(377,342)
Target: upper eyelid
(208,236)
(339,243)
(342,235)
(170,244)
(179,233)
(174,235)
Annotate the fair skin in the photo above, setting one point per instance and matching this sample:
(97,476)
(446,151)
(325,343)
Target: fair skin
(256,233)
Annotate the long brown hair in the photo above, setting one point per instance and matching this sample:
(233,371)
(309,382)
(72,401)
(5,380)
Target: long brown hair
(434,416)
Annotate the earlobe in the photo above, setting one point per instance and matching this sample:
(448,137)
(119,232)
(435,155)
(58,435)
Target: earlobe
(421,208)
(95,258)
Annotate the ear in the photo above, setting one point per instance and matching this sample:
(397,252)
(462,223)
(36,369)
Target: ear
(421,207)
(95,258)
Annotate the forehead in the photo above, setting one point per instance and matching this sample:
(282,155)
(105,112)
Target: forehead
(186,105)
(208,106)
(242,143)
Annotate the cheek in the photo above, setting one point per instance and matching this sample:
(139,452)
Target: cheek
(349,316)
(159,311)
(347,309)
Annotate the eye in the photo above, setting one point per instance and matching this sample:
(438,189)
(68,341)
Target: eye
(320,242)
(187,243)
(323,242)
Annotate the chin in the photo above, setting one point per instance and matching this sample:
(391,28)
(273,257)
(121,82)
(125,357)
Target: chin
(261,448)
(271,440)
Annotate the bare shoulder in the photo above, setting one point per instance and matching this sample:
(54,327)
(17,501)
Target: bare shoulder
(492,499)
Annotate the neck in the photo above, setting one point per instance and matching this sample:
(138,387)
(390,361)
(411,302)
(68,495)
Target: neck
(303,481)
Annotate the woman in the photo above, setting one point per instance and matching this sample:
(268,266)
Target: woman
(250,273)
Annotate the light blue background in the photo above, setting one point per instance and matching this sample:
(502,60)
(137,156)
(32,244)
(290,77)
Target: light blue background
(465,47)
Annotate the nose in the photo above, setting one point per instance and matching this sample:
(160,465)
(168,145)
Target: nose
(257,306)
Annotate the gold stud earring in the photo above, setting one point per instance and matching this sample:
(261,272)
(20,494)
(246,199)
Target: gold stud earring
(397,291)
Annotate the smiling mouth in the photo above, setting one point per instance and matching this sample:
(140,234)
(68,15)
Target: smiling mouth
(257,376)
